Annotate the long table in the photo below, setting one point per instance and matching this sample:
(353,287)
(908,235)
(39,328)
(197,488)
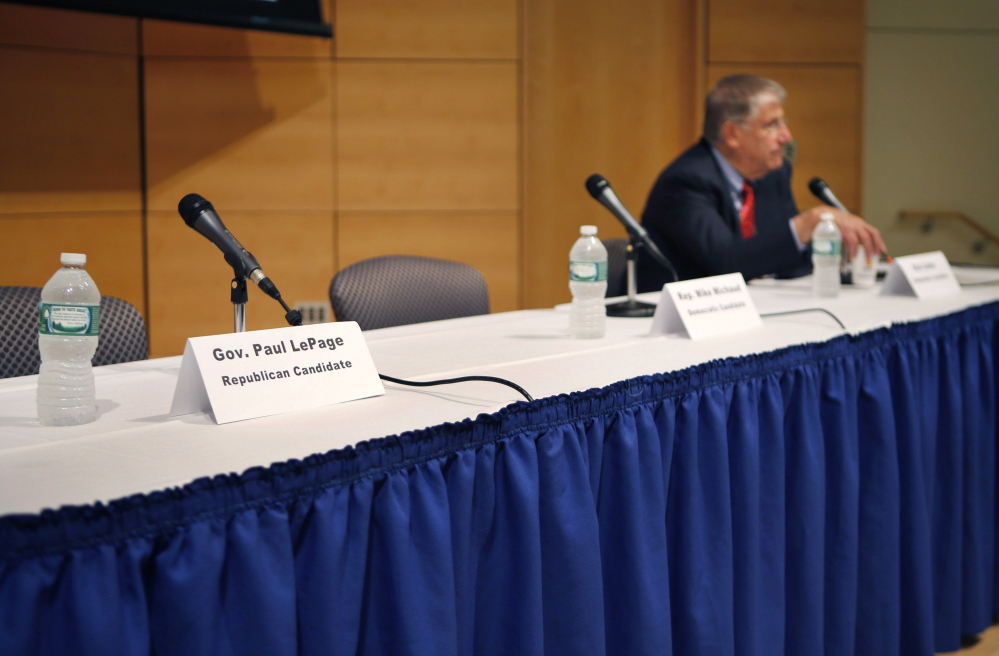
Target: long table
(794,488)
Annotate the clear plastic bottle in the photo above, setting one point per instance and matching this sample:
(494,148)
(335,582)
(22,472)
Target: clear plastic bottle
(827,249)
(588,284)
(68,326)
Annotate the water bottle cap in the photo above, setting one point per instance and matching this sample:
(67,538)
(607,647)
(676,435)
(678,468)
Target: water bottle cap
(588,230)
(73,259)
(827,216)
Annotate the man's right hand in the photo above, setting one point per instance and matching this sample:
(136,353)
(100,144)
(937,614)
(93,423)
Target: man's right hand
(855,231)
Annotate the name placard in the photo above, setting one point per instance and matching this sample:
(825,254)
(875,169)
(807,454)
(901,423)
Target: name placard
(705,307)
(925,275)
(266,372)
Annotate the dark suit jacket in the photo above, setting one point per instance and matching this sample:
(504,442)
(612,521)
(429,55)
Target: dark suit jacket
(690,216)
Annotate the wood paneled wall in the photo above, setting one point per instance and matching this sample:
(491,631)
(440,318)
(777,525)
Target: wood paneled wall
(428,135)
(70,164)
(462,130)
(246,119)
(815,50)
(619,90)
(609,90)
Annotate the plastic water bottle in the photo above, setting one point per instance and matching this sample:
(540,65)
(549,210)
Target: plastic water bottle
(827,249)
(588,284)
(68,326)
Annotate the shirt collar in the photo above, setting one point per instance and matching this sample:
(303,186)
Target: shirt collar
(731,175)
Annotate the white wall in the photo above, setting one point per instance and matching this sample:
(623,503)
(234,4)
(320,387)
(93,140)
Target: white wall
(931,122)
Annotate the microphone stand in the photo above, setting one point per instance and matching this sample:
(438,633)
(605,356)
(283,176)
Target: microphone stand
(238,297)
(631,307)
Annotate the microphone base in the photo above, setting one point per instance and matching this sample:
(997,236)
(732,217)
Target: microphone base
(631,309)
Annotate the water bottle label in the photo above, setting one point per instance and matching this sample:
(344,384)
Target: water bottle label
(826,247)
(587,271)
(76,320)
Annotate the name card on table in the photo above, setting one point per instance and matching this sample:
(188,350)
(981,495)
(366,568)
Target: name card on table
(705,307)
(925,275)
(266,372)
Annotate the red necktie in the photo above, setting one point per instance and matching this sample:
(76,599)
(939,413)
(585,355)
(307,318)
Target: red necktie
(747,214)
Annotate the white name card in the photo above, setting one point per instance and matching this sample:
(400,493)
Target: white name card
(705,307)
(925,275)
(267,372)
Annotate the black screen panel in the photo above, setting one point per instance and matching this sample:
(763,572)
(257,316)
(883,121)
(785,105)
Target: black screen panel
(291,16)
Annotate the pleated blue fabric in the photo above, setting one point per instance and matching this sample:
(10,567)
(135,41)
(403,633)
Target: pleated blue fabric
(838,498)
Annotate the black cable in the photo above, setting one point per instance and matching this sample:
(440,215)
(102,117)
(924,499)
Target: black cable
(463,379)
(293,317)
(835,318)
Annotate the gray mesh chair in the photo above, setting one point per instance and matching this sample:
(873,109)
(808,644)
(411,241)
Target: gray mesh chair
(123,332)
(617,267)
(395,290)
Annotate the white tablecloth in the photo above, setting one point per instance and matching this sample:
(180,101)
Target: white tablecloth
(136,447)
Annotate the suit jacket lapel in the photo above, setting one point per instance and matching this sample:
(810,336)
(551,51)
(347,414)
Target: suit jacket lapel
(713,173)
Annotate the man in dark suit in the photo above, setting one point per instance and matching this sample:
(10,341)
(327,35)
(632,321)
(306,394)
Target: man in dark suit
(725,205)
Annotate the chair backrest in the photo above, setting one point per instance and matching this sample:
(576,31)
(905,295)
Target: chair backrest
(394,290)
(123,332)
(617,267)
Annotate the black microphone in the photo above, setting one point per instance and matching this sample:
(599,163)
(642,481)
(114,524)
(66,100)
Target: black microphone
(601,190)
(199,214)
(822,191)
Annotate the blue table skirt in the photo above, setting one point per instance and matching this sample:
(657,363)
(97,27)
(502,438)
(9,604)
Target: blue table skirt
(832,499)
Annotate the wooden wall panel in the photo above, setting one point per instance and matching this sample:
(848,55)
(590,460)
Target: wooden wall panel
(823,110)
(448,29)
(609,92)
(69,125)
(111,240)
(246,134)
(189,279)
(486,240)
(421,136)
(41,27)
(173,39)
(793,31)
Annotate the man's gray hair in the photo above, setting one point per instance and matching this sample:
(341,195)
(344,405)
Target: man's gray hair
(735,98)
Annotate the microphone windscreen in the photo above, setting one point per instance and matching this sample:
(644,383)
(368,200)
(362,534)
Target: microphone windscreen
(191,206)
(595,184)
(818,187)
